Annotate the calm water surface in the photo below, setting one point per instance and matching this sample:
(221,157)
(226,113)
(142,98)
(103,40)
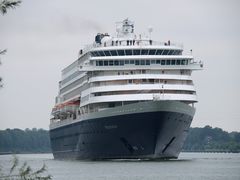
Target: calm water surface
(209,166)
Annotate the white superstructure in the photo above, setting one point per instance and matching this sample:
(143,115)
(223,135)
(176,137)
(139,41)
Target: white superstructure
(129,68)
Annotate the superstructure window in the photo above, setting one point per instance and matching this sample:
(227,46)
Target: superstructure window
(113,53)
(107,53)
(147,62)
(136,52)
(153,61)
(111,63)
(101,53)
(152,52)
(93,54)
(170,52)
(98,54)
(144,52)
(142,62)
(165,52)
(128,52)
(126,62)
(121,53)
(159,52)
(178,62)
(100,63)
(105,63)
(137,62)
(178,53)
(183,62)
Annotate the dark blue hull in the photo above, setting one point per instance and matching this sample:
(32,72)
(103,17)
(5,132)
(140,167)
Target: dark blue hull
(147,135)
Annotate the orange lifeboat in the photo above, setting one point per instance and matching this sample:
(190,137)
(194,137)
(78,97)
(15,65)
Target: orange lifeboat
(65,108)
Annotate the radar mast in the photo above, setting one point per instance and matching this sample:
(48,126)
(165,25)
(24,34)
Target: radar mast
(125,28)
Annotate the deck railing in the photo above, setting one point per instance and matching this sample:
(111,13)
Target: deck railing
(132,43)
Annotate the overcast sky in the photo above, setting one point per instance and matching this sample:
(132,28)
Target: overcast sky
(42,37)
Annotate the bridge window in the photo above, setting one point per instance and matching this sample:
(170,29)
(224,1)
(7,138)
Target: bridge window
(101,53)
(147,62)
(171,52)
(144,52)
(94,54)
(113,53)
(175,52)
(121,53)
(107,53)
(165,52)
(128,52)
(136,52)
(152,52)
(159,52)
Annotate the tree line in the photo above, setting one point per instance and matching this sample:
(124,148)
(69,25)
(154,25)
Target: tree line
(210,139)
(206,139)
(24,141)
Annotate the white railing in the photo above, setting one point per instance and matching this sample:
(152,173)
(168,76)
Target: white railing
(137,42)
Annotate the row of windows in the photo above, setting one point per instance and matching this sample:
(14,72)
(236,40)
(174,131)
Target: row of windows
(73,84)
(141,62)
(161,91)
(129,52)
(70,77)
(75,92)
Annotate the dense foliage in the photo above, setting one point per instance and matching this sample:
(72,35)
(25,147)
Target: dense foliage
(24,141)
(212,139)
(199,139)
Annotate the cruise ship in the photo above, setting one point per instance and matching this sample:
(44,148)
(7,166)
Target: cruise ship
(125,97)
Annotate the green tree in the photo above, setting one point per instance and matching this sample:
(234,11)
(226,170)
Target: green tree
(5,5)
